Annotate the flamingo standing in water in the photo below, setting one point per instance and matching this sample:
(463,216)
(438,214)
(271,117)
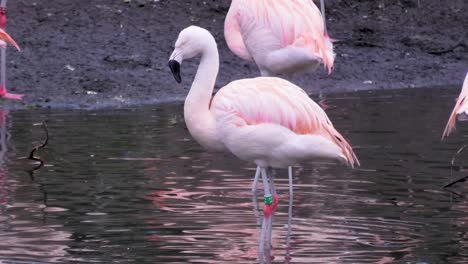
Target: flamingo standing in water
(280,36)
(265,120)
(461,107)
(3,45)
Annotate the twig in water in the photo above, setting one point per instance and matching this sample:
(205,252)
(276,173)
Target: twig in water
(456,194)
(457,181)
(451,168)
(454,157)
(46,140)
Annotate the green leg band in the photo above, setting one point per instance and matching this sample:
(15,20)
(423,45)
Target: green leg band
(268,200)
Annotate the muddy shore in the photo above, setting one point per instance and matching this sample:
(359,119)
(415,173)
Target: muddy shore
(113,53)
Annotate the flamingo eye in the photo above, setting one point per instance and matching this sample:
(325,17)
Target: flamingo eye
(181,45)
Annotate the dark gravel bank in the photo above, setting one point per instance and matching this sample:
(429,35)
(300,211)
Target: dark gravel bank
(111,53)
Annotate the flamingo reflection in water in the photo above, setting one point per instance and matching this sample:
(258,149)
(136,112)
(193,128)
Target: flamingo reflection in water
(266,120)
(3,151)
(226,236)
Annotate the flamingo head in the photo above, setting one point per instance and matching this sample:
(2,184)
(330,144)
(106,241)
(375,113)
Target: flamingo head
(192,41)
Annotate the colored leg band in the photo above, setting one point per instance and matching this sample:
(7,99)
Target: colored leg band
(268,200)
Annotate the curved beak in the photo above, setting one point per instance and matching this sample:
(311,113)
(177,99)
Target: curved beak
(4,36)
(175,69)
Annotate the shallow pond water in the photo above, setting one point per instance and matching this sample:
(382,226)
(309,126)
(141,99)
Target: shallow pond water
(131,186)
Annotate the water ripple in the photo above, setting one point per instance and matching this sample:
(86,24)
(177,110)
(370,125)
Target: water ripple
(127,186)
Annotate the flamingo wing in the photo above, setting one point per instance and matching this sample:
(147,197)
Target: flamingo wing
(269,100)
(461,106)
(232,33)
(265,25)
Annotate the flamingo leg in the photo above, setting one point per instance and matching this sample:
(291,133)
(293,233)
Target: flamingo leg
(272,186)
(273,192)
(264,248)
(271,201)
(288,237)
(255,208)
(3,92)
(269,227)
(272,183)
(274,195)
(264,244)
(322,9)
(3,65)
(255,182)
(290,190)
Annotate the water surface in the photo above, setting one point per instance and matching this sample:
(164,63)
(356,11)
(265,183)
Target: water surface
(131,186)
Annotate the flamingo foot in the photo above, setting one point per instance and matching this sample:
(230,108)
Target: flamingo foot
(7,95)
(13,96)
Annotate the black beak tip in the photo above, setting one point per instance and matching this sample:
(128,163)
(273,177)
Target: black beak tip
(175,69)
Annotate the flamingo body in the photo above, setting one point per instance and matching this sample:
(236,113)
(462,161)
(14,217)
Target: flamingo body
(280,36)
(266,120)
(273,122)
(461,107)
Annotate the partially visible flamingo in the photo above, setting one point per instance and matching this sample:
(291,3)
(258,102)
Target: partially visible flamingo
(461,107)
(280,36)
(3,45)
(265,120)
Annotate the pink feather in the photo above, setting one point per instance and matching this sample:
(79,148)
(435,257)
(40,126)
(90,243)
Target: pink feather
(288,22)
(462,102)
(276,101)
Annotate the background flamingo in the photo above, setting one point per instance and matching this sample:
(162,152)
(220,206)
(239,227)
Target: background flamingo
(3,46)
(265,120)
(280,37)
(461,107)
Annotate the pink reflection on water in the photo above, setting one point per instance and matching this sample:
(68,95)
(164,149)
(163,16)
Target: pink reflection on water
(3,151)
(461,222)
(205,215)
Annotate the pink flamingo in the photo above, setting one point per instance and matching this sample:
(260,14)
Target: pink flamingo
(280,36)
(265,120)
(461,107)
(4,36)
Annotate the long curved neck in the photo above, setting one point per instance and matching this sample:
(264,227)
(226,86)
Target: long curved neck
(201,91)
(198,117)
